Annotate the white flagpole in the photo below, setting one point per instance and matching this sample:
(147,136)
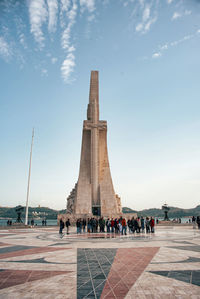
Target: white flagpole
(29,175)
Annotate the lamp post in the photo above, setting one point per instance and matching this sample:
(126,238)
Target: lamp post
(29,176)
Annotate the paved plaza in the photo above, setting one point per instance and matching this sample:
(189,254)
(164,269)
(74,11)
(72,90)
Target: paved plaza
(38,263)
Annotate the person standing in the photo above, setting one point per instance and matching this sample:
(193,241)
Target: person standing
(142,224)
(129,225)
(147,225)
(152,225)
(135,225)
(67,224)
(194,222)
(100,225)
(108,225)
(112,225)
(123,226)
(84,225)
(116,225)
(198,222)
(62,225)
(88,225)
(94,225)
(139,224)
(78,226)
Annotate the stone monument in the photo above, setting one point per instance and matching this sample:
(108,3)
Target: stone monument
(93,194)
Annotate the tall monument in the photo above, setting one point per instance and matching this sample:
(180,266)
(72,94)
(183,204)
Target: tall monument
(93,194)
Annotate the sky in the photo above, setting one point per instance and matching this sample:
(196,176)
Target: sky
(147,55)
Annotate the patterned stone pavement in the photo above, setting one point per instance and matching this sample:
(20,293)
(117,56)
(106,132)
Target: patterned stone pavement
(38,263)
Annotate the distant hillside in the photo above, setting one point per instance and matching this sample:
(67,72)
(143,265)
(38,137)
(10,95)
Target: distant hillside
(128,210)
(6,212)
(174,212)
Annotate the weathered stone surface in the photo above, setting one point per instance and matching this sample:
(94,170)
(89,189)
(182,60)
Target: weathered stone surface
(94,192)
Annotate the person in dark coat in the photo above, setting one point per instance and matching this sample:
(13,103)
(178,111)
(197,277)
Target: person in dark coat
(84,224)
(147,223)
(78,226)
(67,224)
(62,225)
(135,225)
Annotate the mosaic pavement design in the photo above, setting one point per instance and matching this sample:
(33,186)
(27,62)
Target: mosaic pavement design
(37,263)
(189,276)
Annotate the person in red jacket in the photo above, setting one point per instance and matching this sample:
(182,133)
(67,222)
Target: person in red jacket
(152,224)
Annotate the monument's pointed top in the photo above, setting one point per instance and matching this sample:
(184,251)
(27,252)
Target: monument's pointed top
(93,108)
(94,87)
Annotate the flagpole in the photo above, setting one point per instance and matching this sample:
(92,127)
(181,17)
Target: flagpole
(29,175)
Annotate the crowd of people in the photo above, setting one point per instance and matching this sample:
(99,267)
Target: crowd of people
(196,220)
(117,225)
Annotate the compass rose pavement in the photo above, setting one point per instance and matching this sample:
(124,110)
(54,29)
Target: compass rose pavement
(38,263)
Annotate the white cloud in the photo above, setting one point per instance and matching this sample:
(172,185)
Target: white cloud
(54,60)
(169,1)
(65,41)
(145,27)
(53,10)
(22,40)
(175,43)
(156,55)
(139,27)
(72,12)
(87,4)
(164,47)
(176,15)
(149,23)
(38,16)
(179,41)
(68,67)
(146,13)
(5,50)
(64,7)
(65,4)
(69,63)
(149,16)
(71,49)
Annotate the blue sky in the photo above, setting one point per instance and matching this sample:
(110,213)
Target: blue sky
(147,54)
